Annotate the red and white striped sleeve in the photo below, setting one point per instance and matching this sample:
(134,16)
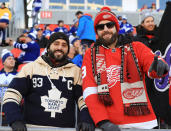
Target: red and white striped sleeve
(97,110)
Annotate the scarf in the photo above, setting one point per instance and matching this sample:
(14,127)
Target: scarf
(132,87)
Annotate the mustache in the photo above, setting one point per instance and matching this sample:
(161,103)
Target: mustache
(59,51)
(106,33)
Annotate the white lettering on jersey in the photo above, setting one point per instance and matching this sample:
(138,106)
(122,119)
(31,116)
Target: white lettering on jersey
(37,82)
(83,72)
(69,82)
(113,75)
(54,103)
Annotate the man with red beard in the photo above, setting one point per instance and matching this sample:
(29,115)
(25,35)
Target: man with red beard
(113,78)
(50,86)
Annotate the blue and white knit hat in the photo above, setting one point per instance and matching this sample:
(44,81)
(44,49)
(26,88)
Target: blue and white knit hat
(74,40)
(32,36)
(5,18)
(124,17)
(5,54)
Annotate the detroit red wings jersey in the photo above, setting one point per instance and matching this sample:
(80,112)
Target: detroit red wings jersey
(115,113)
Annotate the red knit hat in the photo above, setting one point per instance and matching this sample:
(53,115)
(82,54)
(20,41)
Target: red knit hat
(106,14)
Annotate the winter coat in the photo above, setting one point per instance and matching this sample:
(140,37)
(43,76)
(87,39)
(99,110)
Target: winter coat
(86,28)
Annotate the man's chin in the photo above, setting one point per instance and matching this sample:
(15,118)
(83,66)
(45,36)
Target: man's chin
(60,59)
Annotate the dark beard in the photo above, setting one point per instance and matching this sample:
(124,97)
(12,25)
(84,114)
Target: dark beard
(107,43)
(56,59)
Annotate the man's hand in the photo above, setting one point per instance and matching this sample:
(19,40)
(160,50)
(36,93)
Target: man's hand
(108,126)
(18,126)
(85,127)
(159,67)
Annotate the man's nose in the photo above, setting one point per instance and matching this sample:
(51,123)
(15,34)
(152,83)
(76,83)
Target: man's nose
(59,47)
(105,28)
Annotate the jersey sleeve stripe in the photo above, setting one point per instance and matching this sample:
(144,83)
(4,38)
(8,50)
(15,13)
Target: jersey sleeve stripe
(89,91)
(12,94)
(81,103)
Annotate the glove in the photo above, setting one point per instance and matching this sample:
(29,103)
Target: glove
(108,126)
(159,67)
(18,126)
(85,127)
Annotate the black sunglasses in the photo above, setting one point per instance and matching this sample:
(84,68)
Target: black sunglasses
(108,25)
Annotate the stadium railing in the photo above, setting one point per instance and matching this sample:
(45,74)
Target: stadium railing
(73,129)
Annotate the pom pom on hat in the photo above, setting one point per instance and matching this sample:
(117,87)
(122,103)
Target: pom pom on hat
(106,14)
(5,18)
(5,54)
(31,36)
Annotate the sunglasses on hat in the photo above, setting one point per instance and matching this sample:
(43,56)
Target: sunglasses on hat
(108,25)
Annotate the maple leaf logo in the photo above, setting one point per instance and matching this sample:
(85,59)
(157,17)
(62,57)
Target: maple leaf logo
(53,103)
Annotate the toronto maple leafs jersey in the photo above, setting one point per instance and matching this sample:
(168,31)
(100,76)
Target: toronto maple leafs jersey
(49,95)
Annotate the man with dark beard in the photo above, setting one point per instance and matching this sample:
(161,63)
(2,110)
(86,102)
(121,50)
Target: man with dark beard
(50,86)
(113,78)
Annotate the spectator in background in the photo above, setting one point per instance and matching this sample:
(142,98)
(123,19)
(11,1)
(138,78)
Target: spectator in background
(50,86)
(36,6)
(71,53)
(153,8)
(3,5)
(78,51)
(47,32)
(61,27)
(125,27)
(8,71)
(147,31)
(120,19)
(30,48)
(6,75)
(34,29)
(74,28)
(86,31)
(4,9)
(40,39)
(78,14)
(144,9)
(22,37)
(4,21)
(112,78)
